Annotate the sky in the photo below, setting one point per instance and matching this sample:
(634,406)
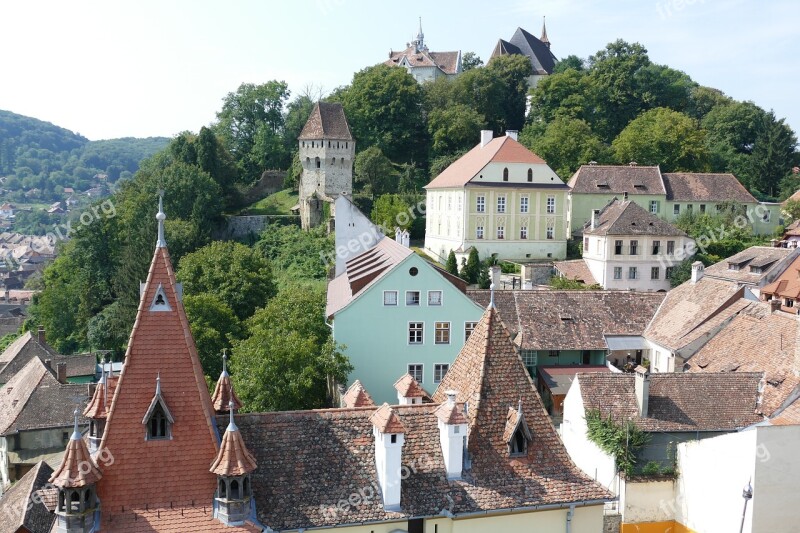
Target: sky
(112,68)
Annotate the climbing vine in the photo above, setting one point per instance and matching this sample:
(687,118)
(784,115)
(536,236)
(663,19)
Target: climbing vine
(620,441)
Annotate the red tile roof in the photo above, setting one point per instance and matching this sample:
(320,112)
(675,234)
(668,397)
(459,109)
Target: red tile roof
(575,269)
(408,387)
(77,469)
(101,399)
(617,179)
(447,62)
(233,459)
(160,344)
(172,519)
(357,396)
(327,121)
(499,150)
(787,285)
(706,187)
(224,393)
(386,421)
(451,413)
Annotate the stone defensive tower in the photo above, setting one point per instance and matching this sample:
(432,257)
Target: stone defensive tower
(327,151)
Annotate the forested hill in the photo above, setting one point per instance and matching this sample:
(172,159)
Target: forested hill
(39,155)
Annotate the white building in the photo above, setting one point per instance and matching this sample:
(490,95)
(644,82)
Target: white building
(625,247)
(423,64)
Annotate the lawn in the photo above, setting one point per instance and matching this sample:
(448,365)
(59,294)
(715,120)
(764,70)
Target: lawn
(279,203)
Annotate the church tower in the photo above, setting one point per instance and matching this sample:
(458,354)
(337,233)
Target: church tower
(327,151)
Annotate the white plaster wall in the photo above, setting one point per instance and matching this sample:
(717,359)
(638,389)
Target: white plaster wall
(354,233)
(713,472)
(587,455)
(776,498)
(644,501)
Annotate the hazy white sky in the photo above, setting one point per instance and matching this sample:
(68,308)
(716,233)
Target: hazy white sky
(110,68)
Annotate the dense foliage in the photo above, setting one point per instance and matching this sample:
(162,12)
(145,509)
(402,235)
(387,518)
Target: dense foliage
(620,440)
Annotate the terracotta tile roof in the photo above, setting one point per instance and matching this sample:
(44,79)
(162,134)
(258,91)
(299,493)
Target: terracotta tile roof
(386,421)
(765,260)
(705,187)
(363,271)
(447,62)
(327,121)
(789,416)
(224,393)
(677,401)
(571,320)
(161,344)
(168,519)
(451,413)
(77,469)
(756,341)
(34,399)
(613,179)
(542,59)
(20,352)
(575,269)
(101,399)
(793,229)
(408,387)
(786,285)
(514,419)
(498,150)
(629,218)
(20,511)
(692,310)
(357,396)
(233,459)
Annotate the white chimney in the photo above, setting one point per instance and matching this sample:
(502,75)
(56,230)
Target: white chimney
(494,275)
(409,391)
(486,137)
(697,271)
(398,235)
(452,430)
(389,440)
(405,239)
(595,218)
(514,134)
(642,389)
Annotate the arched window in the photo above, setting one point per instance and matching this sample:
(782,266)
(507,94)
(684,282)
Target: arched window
(74,502)
(519,444)
(223,489)
(505,174)
(318,162)
(235,490)
(157,428)
(246,487)
(530,174)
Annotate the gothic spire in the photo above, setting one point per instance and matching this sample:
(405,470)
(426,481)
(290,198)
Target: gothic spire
(544,38)
(162,243)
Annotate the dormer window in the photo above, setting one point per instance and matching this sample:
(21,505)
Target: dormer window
(157,427)
(158,420)
(517,435)
(519,444)
(160,302)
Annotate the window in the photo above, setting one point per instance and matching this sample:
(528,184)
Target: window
(668,272)
(634,249)
(529,358)
(586,243)
(519,441)
(523,232)
(631,272)
(617,247)
(415,330)
(552,353)
(158,425)
(389,297)
(654,206)
(670,247)
(442,333)
(676,209)
(479,232)
(501,232)
(654,273)
(702,208)
(317,162)
(617,272)
(551,205)
(788,302)
(413,271)
(550,232)
(439,370)
(501,204)
(656,247)
(434,297)
(530,174)
(523,204)
(505,174)
(480,204)
(459,202)
(689,207)
(415,370)
(412,297)
(449,203)
(468,329)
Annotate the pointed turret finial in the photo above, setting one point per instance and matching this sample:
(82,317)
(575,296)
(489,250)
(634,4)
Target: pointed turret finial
(162,243)
(491,300)
(544,38)
(158,383)
(76,433)
(519,406)
(225,362)
(103,381)
(231,424)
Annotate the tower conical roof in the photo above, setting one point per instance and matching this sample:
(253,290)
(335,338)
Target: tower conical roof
(77,469)
(233,458)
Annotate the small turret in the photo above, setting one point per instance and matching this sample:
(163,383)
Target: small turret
(224,395)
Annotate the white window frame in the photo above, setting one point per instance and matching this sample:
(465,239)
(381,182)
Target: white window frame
(501,203)
(396,296)
(412,372)
(656,271)
(441,296)
(479,232)
(633,270)
(676,209)
(551,205)
(523,204)
(440,326)
(501,232)
(420,329)
(523,232)
(654,207)
(469,327)
(550,233)
(419,298)
(617,270)
(437,371)
(480,204)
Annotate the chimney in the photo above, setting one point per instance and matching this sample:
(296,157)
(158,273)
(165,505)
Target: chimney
(642,389)
(8,296)
(595,218)
(494,275)
(486,137)
(40,336)
(775,304)
(405,239)
(624,196)
(48,363)
(697,271)
(514,134)
(633,164)
(61,372)
(398,235)
(452,430)
(389,436)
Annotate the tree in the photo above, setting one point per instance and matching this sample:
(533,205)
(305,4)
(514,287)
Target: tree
(297,113)
(470,60)
(288,360)
(792,209)
(773,155)
(296,254)
(238,276)
(566,284)
(214,327)
(663,137)
(570,62)
(512,72)
(568,143)
(373,171)
(390,211)
(453,129)
(472,268)
(110,329)
(484,275)
(681,273)
(452,265)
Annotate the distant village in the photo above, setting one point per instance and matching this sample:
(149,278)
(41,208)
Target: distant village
(630,405)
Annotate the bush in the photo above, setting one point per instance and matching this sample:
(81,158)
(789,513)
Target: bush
(652,468)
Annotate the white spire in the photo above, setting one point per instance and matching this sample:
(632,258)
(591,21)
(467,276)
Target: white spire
(104,381)
(224,363)
(491,301)
(76,433)
(231,424)
(162,243)
(158,384)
